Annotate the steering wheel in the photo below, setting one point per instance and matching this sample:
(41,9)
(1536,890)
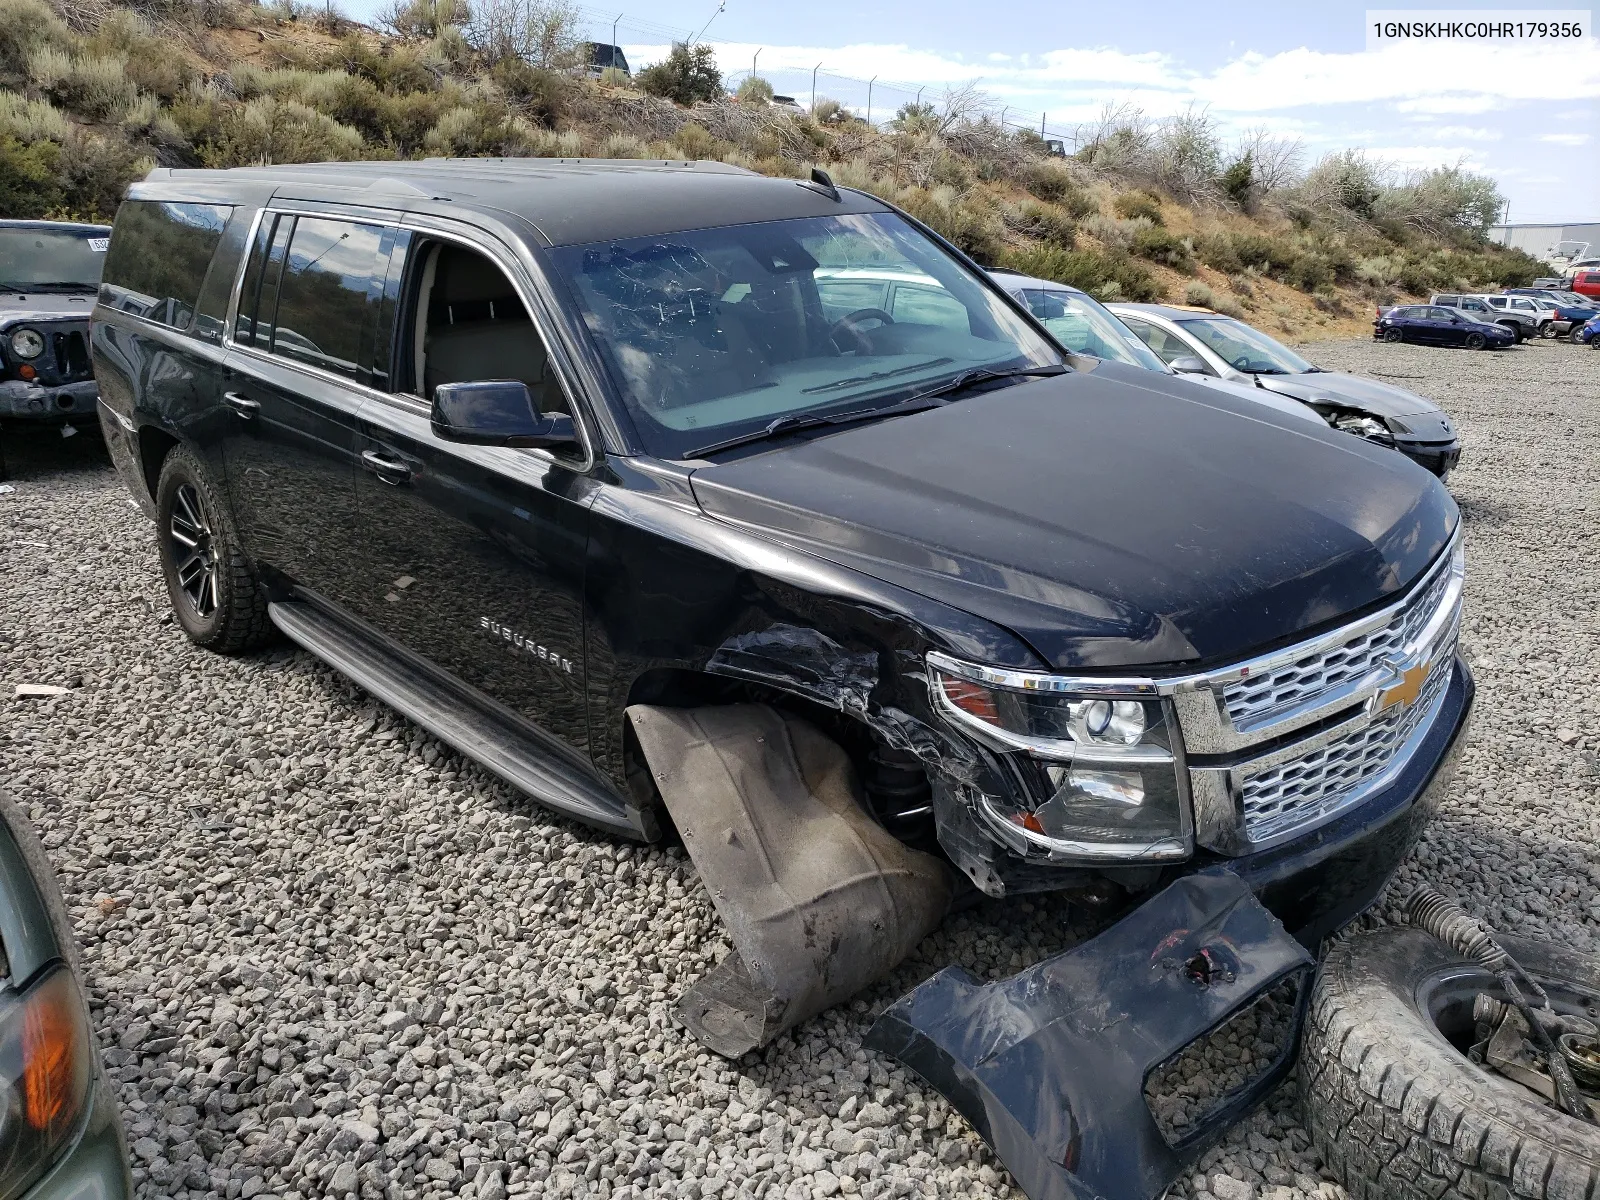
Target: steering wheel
(1242,362)
(851,323)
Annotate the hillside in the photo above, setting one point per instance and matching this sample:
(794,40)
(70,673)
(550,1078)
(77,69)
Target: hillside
(93,94)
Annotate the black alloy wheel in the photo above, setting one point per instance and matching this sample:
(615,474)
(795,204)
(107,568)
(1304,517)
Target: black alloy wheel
(193,551)
(215,595)
(1394,335)
(1476,341)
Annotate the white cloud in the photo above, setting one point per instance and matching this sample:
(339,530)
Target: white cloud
(1443,78)
(1565,139)
(1467,133)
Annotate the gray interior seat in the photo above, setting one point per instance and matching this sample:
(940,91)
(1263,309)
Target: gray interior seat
(478,329)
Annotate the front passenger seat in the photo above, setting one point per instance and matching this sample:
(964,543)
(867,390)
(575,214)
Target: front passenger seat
(478,329)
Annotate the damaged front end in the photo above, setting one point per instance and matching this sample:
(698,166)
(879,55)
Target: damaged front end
(818,899)
(1054,1065)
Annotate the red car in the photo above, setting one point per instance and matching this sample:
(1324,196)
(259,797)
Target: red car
(1586,282)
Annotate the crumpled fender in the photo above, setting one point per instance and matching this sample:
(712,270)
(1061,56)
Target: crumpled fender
(818,899)
(1050,1065)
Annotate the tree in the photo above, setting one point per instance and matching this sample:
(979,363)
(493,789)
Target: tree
(541,32)
(29,186)
(424,18)
(1239,181)
(687,76)
(754,90)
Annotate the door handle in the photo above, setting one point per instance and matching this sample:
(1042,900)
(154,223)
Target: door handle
(390,470)
(243,405)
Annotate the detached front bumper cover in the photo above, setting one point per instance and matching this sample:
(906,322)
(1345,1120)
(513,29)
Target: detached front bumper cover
(1050,1065)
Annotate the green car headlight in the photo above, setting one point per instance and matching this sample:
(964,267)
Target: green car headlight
(1097,774)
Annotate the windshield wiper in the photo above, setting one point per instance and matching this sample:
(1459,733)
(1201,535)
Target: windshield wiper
(53,285)
(983,375)
(794,422)
(874,376)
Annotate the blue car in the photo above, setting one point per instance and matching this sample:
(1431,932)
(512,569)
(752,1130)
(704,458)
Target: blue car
(1435,325)
(1588,334)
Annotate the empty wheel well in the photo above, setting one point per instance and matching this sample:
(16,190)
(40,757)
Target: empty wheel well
(895,781)
(154,446)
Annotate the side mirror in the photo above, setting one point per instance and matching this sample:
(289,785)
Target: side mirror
(497,412)
(1190,364)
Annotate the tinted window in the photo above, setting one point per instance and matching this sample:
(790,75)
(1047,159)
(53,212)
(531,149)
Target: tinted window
(159,255)
(211,310)
(331,278)
(259,291)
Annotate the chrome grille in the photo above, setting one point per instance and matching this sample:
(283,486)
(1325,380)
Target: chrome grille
(1305,789)
(1257,699)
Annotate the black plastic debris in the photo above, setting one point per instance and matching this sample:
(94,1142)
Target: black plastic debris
(1050,1064)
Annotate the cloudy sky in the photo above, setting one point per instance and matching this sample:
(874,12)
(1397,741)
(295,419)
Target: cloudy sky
(1526,113)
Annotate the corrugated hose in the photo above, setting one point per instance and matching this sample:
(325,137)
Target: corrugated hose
(1469,937)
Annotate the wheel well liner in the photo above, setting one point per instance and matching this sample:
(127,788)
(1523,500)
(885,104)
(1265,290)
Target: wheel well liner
(154,446)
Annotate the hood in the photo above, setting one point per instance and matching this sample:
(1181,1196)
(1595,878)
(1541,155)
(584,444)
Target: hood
(1379,399)
(44,306)
(1107,517)
(1249,391)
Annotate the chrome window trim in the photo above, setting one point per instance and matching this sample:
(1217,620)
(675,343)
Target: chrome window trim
(408,401)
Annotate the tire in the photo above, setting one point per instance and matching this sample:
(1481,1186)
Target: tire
(1515,330)
(1548,331)
(215,595)
(1394,335)
(1399,1113)
(1475,341)
(1575,335)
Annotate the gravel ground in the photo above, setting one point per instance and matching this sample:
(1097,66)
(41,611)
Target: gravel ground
(330,958)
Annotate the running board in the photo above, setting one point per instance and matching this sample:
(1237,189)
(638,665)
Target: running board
(489,740)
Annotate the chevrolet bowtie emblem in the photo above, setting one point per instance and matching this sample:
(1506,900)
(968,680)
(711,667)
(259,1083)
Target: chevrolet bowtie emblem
(1405,692)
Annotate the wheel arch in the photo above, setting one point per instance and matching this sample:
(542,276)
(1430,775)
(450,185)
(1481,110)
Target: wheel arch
(872,750)
(155,444)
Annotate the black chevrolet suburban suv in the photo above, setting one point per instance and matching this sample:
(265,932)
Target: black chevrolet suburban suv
(573,464)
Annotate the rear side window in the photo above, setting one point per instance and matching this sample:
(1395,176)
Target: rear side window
(160,252)
(309,291)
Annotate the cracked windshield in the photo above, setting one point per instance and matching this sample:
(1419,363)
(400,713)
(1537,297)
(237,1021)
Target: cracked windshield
(717,333)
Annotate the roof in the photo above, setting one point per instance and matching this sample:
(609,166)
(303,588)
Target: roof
(570,201)
(1170,312)
(84,226)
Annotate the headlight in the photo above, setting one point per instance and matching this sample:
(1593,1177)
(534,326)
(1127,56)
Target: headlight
(1096,776)
(27,343)
(45,1072)
(1366,427)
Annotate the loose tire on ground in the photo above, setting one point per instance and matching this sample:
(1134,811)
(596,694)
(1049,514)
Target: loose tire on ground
(1398,1113)
(229,616)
